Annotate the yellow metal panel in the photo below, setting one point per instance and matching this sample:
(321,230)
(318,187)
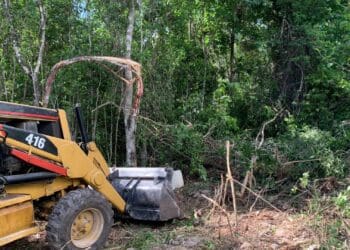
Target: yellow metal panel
(91,168)
(18,235)
(64,125)
(40,189)
(11,199)
(25,147)
(16,217)
(97,158)
(99,182)
(79,165)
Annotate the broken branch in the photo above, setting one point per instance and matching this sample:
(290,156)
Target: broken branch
(120,62)
(222,209)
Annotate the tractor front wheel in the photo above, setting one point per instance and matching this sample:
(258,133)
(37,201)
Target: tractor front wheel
(80,220)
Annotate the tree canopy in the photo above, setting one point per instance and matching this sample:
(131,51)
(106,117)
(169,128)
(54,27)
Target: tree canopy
(272,76)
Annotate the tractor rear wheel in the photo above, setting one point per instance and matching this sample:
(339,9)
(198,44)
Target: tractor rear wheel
(82,219)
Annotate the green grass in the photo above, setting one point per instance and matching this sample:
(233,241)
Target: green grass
(143,240)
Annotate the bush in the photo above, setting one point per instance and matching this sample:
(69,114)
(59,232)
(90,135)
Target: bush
(297,151)
(313,151)
(188,146)
(342,202)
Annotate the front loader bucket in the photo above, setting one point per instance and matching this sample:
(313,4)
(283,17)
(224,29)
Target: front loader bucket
(148,192)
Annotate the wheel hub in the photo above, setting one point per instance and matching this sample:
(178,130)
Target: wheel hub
(82,225)
(87,227)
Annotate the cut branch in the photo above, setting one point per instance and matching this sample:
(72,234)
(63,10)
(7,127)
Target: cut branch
(120,62)
(222,209)
(258,196)
(259,140)
(229,179)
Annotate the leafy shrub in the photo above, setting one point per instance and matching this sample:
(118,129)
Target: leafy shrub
(297,152)
(342,202)
(312,151)
(189,144)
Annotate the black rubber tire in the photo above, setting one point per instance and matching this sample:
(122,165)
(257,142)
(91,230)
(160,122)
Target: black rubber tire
(60,221)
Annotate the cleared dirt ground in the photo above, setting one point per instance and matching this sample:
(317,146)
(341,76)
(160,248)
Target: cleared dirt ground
(262,228)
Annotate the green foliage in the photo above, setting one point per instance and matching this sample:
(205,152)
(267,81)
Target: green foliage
(313,152)
(304,180)
(342,202)
(213,70)
(143,240)
(184,149)
(334,237)
(328,214)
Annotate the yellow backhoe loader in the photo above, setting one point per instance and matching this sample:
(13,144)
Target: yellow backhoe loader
(42,168)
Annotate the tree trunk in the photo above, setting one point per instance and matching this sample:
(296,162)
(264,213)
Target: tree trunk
(205,55)
(232,56)
(129,117)
(144,154)
(29,70)
(3,89)
(36,91)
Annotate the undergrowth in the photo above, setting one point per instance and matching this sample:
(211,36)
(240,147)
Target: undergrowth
(331,218)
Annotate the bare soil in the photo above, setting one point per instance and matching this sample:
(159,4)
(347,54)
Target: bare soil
(263,228)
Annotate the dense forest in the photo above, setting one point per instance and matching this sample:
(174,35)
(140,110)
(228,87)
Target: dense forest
(270,76)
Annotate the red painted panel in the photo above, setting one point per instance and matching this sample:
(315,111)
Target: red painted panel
(39,162)
(44,117)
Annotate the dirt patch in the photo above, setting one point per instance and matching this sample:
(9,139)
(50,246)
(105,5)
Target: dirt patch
(265,229)
(260,229)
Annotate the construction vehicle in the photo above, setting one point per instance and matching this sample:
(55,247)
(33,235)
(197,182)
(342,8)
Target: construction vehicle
(43,169)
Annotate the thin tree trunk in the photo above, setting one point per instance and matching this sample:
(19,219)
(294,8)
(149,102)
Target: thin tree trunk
(111,137)
(232,56)
(13,87)
(36,90)
(117,128)
(205,72)
(94,124)
(144,154)
(29,70)
(39,62)
(129,118)
(3,88)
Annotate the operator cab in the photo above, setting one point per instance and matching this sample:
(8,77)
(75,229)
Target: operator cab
(38,120)
(32,126)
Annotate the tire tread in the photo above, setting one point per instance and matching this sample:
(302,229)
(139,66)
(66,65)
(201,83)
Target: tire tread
(70,205)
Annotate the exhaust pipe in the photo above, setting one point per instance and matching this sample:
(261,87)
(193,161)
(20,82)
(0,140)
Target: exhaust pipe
(30,177)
